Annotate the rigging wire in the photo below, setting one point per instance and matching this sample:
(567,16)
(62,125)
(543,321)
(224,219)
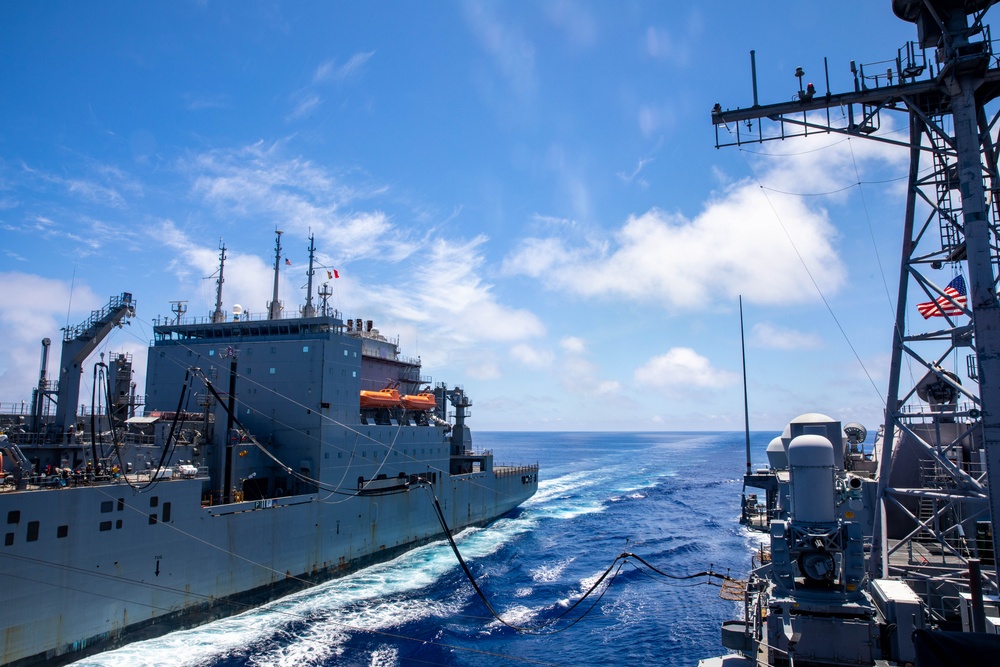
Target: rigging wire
(871,229)
(546,627)
(812,278)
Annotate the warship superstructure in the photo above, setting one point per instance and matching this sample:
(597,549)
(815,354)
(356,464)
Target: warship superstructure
(885,554)
(252,466)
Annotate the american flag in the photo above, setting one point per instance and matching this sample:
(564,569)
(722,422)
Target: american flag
(942,306)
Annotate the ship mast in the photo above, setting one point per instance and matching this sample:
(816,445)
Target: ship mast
(219,315)
(952,159)
(325,291)
(274,307)
(309,310)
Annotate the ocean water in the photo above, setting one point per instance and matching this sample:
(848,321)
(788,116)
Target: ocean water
(671,498)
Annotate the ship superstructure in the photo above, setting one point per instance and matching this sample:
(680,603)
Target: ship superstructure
(886,555)
(252,470)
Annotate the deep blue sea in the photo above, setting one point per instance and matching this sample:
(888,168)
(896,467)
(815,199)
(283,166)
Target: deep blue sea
(671,498)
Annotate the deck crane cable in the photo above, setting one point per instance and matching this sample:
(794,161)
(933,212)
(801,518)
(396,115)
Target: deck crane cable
(93,420)
(168,448)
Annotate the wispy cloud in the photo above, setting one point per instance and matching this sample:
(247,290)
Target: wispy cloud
(260,181)
(306,103)
(330,71)
(666,44)
(512,53)
(634,176)
(774,337)
(308,99)
(573,345)
(99,183)
(575,20)
(201,101)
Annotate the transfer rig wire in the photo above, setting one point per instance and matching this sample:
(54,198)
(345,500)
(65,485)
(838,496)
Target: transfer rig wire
(547,626)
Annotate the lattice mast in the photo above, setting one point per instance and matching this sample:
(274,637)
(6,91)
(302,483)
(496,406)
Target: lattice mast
(946,105)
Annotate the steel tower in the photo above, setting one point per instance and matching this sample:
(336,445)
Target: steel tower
(945,85)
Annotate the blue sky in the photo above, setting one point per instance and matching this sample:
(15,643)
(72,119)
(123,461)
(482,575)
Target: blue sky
(527,194)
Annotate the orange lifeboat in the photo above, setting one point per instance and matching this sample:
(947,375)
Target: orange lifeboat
(383,398)
(421,401)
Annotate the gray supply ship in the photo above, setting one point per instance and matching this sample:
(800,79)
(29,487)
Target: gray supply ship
(268,454)
(886,554)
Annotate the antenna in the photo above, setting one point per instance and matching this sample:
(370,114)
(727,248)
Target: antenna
(325,291)
(746,400)
(178,308)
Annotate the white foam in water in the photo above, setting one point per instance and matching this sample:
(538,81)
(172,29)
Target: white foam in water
(549,489)
(385,656)
(549,573)
(375,599)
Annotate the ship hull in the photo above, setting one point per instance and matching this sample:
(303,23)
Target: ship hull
(119,575)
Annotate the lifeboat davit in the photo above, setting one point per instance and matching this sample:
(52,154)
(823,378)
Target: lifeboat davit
(383,398)
(421,401)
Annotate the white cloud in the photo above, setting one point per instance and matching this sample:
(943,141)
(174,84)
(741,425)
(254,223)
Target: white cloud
(580,376)
(248,280)
(483,370)
(447,289)
(33,308)
(747,240)
(532,357)
(733,248)
(774,337)
(680,370)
